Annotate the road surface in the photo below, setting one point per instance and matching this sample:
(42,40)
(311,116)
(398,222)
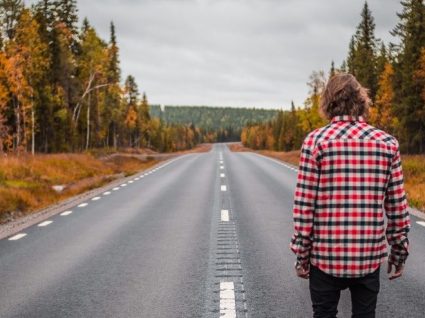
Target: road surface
(204,235)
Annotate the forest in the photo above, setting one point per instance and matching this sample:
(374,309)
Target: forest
(217,123)
(394,74)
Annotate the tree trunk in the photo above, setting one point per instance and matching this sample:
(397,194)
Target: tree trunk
(32,131)
(88,123)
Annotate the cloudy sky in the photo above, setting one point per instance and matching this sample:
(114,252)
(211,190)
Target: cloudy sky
(232,52)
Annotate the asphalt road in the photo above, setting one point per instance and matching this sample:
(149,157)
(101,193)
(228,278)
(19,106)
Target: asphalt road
(195,238)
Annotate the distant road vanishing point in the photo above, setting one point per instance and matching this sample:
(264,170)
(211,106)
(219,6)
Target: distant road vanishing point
(202,235)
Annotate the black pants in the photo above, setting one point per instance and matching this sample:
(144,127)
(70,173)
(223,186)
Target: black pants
(325,291)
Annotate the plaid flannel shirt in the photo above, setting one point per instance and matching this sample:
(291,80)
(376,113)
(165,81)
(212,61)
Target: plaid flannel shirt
(349,176)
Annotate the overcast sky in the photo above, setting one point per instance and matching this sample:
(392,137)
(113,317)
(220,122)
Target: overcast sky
(232,52)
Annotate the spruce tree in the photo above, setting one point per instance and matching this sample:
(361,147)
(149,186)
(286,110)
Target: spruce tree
(363,60)
(409,106)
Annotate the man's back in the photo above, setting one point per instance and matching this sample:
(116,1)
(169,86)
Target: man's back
(357,170)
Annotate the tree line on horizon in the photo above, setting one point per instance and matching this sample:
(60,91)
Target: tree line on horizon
(61,88)
(218,124)
(394,74)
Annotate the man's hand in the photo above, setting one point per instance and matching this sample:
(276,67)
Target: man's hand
(398,270)
(302,271)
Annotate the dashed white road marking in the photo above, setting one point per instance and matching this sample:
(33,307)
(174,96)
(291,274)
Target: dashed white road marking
(137,178)
(82,205)
(227,300)
(95,198)
(107,193)
(225,215)
(124,185)
(131,181)
(66,213)
(222,175)
(421,223)
(17,236)
(221,167)
(115,189)
(223,188)
(45,223)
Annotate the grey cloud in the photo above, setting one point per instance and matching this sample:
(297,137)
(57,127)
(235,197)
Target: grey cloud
(232,52)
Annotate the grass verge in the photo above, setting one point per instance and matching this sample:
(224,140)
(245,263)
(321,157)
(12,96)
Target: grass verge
(26,182)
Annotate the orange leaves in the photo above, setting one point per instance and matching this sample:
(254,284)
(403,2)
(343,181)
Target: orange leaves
(381,115)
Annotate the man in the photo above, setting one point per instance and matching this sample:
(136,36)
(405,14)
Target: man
(349,176)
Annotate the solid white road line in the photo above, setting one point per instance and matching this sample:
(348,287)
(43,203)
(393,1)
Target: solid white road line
(106,193)
(82,205)
(45,223)
(95,198)
(227,300)
(17,236)
(66,213)
(223,188)
(222,175)
(225,215)
(421,223)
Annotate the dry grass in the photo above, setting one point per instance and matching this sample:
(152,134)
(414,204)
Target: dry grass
(413,169)
(414,175)
(26,182)
(198,149)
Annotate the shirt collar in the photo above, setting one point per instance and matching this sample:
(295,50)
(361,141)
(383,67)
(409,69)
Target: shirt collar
(348,118)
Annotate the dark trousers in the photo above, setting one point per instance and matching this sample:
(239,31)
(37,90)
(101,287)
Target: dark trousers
(326,289)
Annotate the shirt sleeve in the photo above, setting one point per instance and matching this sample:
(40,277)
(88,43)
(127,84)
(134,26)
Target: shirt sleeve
(304,203)
(395,205)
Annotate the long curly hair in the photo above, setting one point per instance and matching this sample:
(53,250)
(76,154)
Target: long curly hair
(343,95)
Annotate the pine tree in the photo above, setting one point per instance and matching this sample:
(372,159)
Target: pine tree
(408,103)
(112,98)
(66,12)
(362,55)
(351,58)
(332,71)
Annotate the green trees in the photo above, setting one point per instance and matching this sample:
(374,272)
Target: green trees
(408,103)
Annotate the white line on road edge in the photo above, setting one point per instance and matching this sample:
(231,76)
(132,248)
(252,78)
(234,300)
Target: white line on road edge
(66,213)
(131,181)
(137,178)
(107,193)
(17,236)
(82,205)
(223,188)
(115,189)
(95,198)
(221,167)
(124,185)
(227,300)
(45,223)
(421,223)
(225,215)
(222,175)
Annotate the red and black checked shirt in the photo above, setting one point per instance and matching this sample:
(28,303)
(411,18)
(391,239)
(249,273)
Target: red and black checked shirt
(350,176)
